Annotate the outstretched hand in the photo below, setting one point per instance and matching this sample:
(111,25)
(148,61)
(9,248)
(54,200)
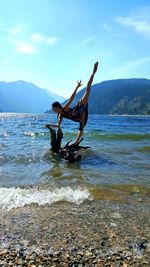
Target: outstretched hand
(79,83)
(47,125)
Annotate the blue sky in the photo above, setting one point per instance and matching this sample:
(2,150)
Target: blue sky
(54,43)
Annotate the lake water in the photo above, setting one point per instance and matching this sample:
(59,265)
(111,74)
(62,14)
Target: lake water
(116,165)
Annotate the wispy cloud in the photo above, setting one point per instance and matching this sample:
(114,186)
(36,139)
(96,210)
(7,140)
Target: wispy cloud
(88,40)
(3,25)
(16,30)
(139,22)
(127,68)
(25,48)
(136,63)
(112,29)
(39,38)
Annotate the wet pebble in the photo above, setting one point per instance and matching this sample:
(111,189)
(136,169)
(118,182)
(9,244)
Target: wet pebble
(81,258)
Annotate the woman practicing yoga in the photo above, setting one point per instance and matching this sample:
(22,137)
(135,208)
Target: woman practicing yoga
(79,112)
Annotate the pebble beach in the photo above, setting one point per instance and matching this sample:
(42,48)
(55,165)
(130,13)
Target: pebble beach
(95,234)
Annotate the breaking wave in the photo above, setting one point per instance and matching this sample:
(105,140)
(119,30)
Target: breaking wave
(18,197)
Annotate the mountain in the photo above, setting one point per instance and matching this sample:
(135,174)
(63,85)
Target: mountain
(21,96)
(123,96)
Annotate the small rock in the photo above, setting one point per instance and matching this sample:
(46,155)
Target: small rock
(3,252)
(88,254)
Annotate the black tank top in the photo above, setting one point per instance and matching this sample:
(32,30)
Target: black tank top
(76,114)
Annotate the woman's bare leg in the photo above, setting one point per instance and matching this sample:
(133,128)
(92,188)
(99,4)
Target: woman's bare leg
(88,88)
(78,137)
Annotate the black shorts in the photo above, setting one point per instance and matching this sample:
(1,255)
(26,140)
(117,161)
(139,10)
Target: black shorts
(82,113)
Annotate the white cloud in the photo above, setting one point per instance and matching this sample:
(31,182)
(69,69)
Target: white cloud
(139,21)
(37,37)
(16,30)
(112,30)
(52,40)
(25,42)
(88,40)
(24,48)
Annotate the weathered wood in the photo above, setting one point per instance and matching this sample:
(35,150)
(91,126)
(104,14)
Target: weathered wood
(68,152)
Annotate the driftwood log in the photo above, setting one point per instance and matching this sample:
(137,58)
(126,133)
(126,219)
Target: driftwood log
(68,152)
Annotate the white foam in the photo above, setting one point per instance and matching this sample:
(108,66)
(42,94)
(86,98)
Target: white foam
(4,133)
(17,197)
(29,133)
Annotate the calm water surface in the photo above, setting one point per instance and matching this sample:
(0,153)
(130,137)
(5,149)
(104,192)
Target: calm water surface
(118,162)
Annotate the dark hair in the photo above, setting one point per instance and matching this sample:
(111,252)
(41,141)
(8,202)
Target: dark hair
(56,105)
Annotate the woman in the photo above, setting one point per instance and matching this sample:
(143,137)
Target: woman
(79,112)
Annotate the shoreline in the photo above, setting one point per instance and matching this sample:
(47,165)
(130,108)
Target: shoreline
(95,114)
(98,233)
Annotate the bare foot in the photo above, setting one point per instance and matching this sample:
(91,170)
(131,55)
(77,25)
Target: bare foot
(95,67)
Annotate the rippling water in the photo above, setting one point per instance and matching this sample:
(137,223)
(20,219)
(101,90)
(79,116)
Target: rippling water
(117,164)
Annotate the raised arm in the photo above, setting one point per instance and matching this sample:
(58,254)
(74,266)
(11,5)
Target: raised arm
(79,83)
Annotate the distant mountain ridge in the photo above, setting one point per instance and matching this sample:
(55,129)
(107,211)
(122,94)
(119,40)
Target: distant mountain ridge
(21,96)
(122,96)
